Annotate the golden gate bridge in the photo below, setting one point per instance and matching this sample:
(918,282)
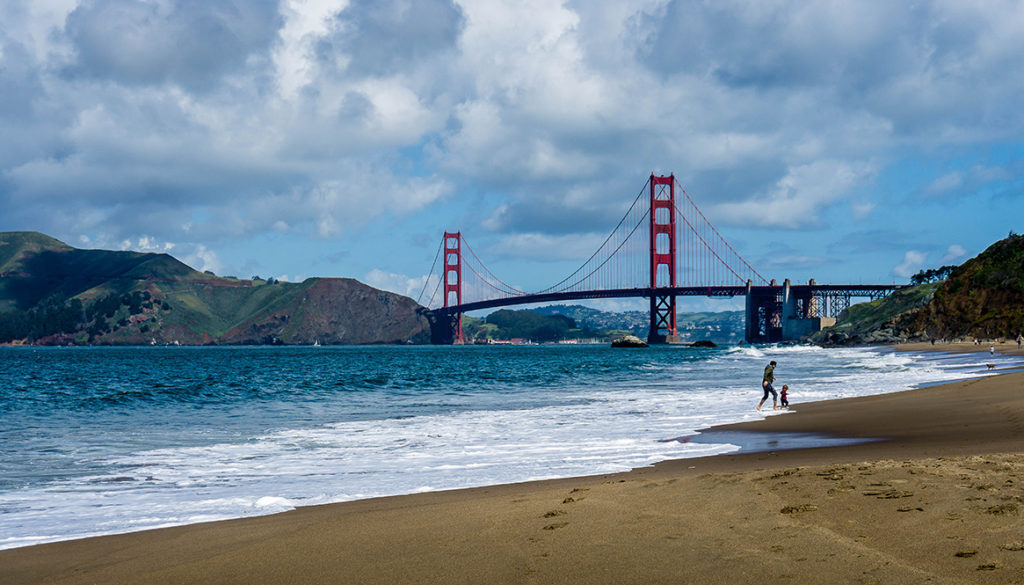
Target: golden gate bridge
(662,248)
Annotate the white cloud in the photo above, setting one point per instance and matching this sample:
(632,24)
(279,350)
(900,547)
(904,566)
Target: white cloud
(945,183)
(202,259)
(293,278)
(545,247)
(313,123)
(148,244)
(911,265)
(862,210)
(796,200)
(336,204)
(954,253)
(305,22)
(793,261)
(399,116)
(42,19)
(967,182)
(410,286)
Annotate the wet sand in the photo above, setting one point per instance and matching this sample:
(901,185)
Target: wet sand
(938,501)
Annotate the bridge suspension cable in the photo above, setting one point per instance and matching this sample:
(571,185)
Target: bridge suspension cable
(501,286)
(623,260)
(430,275)
(639,222)
(724,242)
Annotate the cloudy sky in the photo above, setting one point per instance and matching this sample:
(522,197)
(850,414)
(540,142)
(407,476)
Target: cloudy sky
(842,141)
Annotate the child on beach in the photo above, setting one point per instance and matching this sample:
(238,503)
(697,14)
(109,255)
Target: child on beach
(783,397)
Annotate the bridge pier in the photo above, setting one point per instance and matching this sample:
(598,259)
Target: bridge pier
(789,312)
(445,327)
(663,320)
(802,311)
(764,313)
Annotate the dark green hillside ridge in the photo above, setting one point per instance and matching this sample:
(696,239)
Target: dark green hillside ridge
(333,311)
(530,325)
(635,322)
(982,298)
(866,316)
(217,310)
(721,327)
(41,266)
(51,293)
(167,267)
(557,322)
(15,245)
(874,322)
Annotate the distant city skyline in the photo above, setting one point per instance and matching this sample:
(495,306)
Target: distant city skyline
(840,141)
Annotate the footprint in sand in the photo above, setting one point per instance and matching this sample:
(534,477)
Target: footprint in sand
(1013,546)
(799,508)
(1002,509)
(988,566)
(888,494)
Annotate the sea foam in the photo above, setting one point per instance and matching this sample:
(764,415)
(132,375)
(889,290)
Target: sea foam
(435,418)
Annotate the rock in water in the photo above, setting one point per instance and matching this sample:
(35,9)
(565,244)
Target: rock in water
(628,341)
(703,343)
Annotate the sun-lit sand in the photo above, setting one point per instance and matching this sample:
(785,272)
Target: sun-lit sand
(940,500)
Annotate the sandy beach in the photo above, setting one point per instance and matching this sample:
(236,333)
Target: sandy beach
(935,496)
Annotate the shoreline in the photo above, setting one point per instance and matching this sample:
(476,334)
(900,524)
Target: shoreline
(69,527)
(937,501)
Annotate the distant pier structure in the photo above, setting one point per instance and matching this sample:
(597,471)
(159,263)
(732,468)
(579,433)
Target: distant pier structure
(788,312)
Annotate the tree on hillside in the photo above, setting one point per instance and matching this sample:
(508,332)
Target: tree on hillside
(933,274)
(528,325)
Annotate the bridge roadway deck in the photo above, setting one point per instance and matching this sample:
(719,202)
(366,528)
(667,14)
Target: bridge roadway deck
(853,290)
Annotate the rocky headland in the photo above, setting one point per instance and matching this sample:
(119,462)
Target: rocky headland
(982,298)
(54,294)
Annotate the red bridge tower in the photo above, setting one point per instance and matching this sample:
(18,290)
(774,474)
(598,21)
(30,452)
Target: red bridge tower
(663,253)
(453,282)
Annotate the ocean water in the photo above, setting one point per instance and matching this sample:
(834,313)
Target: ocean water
(109,440)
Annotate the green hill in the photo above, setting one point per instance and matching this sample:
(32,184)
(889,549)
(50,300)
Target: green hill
(982,298)
(509,324)
(15,246)
(51,293)
(720,327)
(557,322)
(875,322)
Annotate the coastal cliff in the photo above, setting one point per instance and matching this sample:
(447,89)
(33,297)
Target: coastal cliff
(982,298)
(54,294)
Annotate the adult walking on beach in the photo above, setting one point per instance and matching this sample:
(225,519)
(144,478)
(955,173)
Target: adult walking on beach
(766,384)
(1020,340)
